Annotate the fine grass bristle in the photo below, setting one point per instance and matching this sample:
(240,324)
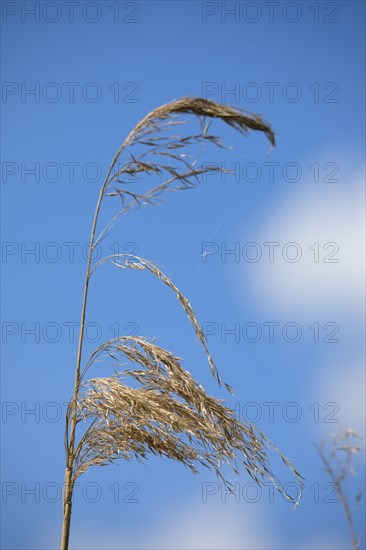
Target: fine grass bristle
(175,171)
(169,415)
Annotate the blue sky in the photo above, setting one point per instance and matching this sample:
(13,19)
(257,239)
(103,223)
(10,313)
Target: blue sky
(95,72)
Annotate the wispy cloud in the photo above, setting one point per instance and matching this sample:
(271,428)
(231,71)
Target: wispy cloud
(326,221)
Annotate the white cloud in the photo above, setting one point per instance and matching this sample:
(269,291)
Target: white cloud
(206,527)
(197,526)
(310,214)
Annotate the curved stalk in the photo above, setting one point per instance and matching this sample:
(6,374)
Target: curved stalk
(342,498)
(69,482)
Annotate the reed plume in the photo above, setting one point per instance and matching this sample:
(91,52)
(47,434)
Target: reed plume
(169,414)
